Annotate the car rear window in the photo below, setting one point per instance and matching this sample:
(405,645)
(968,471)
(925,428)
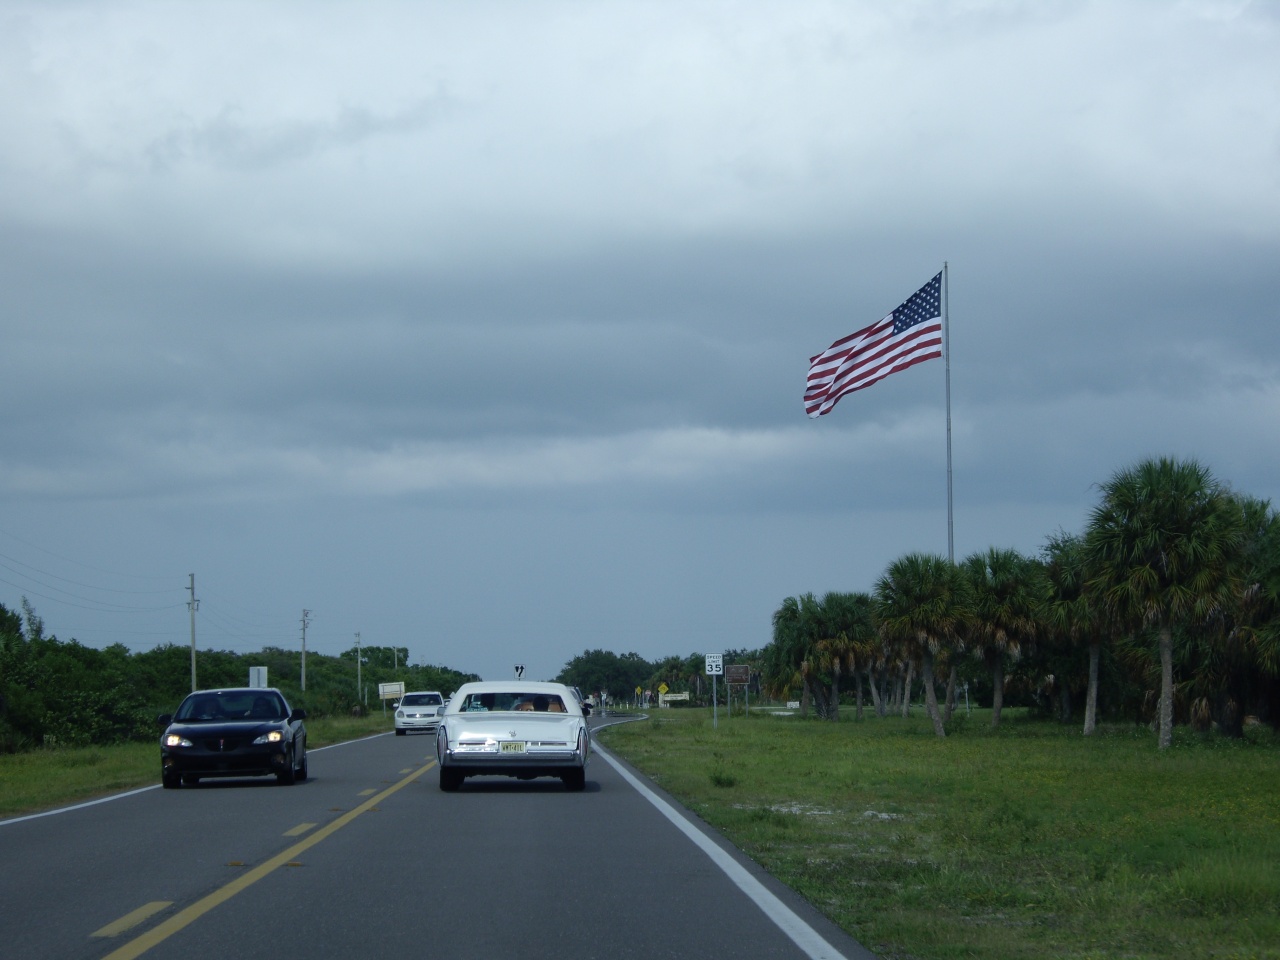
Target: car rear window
(536,702)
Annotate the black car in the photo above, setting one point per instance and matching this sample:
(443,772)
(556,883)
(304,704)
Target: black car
(242,732)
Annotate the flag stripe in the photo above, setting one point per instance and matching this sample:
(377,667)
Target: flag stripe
(909,335)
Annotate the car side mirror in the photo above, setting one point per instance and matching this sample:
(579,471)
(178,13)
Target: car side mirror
(164,719)
(298,714)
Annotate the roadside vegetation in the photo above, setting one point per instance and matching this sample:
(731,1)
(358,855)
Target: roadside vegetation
(57,694)
(1023,841)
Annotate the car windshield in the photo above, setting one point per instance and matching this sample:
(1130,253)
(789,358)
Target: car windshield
(421,700)
(538,702)
(232,705)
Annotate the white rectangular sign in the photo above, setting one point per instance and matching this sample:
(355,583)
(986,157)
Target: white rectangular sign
(715,664)
(391,691)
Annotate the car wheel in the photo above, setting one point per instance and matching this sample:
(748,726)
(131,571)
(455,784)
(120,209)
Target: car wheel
(170,781)
(190,779)
(400,732)
(288,776)
(302,770)
(450,779)
(575,780)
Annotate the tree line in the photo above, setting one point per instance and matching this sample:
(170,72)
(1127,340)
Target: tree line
(62,693)
(1164,609)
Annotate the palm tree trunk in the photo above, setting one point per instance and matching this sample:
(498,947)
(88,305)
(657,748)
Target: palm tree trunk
(877,691)
(997,690)
(951,692)
(857,693)
(930,694)
(835,691)
(1166,686)
(1091,698)
(906,689)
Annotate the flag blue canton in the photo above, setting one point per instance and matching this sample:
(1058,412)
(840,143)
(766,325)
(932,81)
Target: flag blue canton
(924,304)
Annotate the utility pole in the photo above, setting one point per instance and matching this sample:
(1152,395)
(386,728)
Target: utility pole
(359,682)
(191,605)
(305,615)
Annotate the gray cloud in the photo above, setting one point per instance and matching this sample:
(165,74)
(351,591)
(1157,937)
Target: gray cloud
(510,307)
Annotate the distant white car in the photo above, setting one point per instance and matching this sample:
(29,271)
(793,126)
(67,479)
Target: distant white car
(513,729)
(419,711)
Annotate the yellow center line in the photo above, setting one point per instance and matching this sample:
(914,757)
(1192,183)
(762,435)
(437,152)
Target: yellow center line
(130,920)
(365,793)
(140,945)
(299,830)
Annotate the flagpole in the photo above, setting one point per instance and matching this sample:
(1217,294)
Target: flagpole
(946,330)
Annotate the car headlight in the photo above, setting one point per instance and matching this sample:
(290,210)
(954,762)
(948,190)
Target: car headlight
(275,736)
(174,740)
(400,714)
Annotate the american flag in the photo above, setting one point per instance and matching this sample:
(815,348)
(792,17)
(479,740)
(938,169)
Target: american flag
(909,335)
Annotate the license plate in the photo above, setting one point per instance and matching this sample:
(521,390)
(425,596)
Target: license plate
(513,746)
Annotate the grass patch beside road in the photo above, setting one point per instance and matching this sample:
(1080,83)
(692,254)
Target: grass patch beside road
(43,779)
(1027,842)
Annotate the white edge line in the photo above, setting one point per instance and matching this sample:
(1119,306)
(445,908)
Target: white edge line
(80,806)
(130,793)
(803,935)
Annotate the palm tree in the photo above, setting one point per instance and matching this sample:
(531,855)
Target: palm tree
(793,659)
(1161,553)
(1070,615)
(923,602)
(785,654)
(843,623)
(1008,590)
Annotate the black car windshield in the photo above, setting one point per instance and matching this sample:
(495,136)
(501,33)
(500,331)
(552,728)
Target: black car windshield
(538,702)
(232,705)
(421,700)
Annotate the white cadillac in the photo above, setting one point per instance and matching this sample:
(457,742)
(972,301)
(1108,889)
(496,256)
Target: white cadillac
(513,729)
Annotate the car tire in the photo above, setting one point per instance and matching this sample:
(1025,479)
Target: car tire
(400,732)
(288,776)
(170,781)
(302,770)
(575,780)
(450,779)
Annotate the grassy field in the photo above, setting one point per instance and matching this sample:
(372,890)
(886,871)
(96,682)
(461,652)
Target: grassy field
(1030,842)
(44,779)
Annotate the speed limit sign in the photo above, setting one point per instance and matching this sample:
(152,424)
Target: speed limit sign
(715,664)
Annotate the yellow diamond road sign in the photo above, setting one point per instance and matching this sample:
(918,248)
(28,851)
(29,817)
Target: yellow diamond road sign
(663,688)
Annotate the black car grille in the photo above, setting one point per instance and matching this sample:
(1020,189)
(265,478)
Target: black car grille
(223,744)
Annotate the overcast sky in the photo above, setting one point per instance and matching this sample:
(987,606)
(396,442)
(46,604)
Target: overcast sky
(482,328)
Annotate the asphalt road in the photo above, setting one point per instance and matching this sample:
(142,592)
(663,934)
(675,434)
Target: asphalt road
(370,858)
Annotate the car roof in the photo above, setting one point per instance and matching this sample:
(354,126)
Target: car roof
(216,690)
(410,693)
(511,686)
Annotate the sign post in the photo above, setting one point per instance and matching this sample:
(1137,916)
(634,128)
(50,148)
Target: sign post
(740,674)
(390,691)
(715,668)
